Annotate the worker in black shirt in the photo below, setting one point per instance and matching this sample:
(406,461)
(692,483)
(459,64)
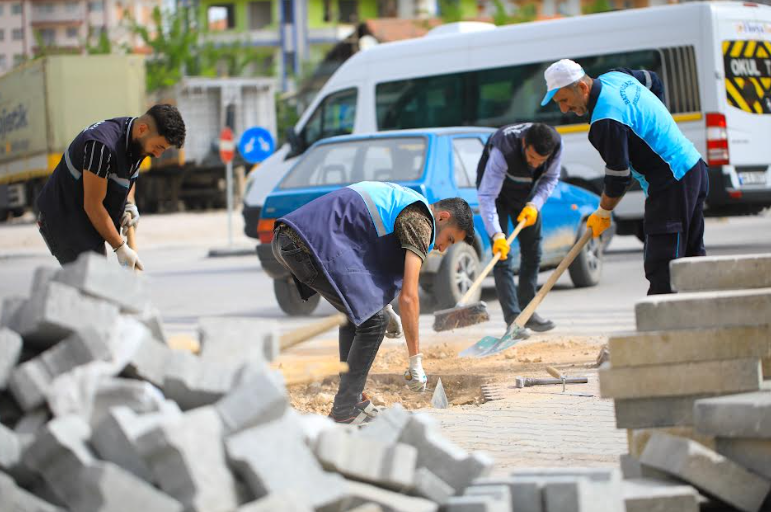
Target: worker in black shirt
(89,196)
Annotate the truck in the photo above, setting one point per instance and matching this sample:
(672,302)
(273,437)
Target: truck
(44,104)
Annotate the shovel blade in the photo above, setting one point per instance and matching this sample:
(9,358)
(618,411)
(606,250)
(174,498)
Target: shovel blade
(480,347)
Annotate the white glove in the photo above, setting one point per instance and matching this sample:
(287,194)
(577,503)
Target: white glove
(130,217)
(127,257)
(394,328)
(415,376)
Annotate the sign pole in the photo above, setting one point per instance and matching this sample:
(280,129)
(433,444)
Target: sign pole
(229,181)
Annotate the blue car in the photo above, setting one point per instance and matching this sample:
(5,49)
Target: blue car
(438,163)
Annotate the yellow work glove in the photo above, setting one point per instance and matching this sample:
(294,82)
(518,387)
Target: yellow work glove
(500,245)
(599,221)
(529,213)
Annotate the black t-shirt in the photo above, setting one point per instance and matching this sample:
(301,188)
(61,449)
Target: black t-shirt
(104,149)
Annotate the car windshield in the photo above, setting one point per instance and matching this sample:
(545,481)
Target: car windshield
(343,163)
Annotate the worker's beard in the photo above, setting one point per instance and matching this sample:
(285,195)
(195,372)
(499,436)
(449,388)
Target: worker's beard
(136,149)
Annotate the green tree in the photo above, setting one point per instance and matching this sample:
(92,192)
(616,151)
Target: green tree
(597,7)
(524,13)
(450,11)
(103,44)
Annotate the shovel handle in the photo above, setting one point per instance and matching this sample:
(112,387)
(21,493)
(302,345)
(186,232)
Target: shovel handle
(478,282)
(564,264)
(131,238)
(307,332)
(554,372)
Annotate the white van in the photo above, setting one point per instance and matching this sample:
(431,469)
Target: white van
(714,59)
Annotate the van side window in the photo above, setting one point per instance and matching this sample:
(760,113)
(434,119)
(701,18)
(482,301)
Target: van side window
(333,116)
(420,102)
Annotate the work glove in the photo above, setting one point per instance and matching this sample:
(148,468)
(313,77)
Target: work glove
(415,376)
(599,221)
(127,257)
(130,217)
(500,245)
(529,214)
(394,327)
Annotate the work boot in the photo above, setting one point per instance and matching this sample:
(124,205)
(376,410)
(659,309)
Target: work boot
(360,414)
(538,324)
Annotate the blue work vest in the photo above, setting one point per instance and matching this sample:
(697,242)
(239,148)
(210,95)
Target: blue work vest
(628,102)
(350,234)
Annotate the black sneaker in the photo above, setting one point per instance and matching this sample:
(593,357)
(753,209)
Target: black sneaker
(360,414)
(538,324)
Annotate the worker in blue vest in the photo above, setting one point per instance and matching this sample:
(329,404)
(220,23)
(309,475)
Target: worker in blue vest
(90,195)
(637,137)
(359,247)
(517,173)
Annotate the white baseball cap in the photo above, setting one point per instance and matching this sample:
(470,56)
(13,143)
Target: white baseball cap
(560,74)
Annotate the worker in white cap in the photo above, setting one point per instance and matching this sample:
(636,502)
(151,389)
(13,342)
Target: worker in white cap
(637,137)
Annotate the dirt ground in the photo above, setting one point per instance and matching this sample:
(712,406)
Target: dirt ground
(462,378)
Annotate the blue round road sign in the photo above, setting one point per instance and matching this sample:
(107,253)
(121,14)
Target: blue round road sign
(256,145)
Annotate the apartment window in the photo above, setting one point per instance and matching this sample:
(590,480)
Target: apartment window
(2,9)
(47,36)
(288,12)
(71,7)
(3,62)
(221,17)
(95,6)
(348,10)
(259,14)
(17,34)
(46,8)
(15,8)
(18,59)
(2,34)
(72,32)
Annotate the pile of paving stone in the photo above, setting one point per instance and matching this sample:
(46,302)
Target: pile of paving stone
(689,388)
(99,414)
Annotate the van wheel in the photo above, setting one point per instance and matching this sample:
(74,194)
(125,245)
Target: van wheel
(586,269)
(289,300)
(459,269)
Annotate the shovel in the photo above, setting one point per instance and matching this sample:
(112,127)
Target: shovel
(463,315)
(490,345)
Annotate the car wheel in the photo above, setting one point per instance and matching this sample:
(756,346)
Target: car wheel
(459,269)
(289,300)
(586,269)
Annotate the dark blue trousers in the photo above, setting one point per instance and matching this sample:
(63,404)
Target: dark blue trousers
(674,226)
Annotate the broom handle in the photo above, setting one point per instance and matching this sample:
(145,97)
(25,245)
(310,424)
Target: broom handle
(297,336)
(523,317)
(476,284)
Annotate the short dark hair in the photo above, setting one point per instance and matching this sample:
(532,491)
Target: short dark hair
(543,138)
(461,213)
(168,123)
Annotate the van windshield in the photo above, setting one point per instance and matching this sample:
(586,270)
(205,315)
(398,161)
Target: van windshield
(343,163)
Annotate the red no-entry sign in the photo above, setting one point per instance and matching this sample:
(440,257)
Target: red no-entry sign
(227,145)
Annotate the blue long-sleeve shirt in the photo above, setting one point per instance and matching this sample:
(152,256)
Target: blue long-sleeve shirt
(492,182)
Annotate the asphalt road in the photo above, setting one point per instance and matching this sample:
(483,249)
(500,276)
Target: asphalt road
(186,284)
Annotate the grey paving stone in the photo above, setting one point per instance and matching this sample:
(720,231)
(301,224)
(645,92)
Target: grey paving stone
(387,465)
(10,448)
(526,491)
(31,381)
(234,341)
(721,272)
(706,470)
(594,474)
(650,495)
(389,424)
(580,494)
(10,350)
(674,411)
(52,314)
(706,377)
(744,415)
(362,494)
(753,454)
(258,398)
(9,314)
(631,469)
(431,487)
(149,362)
(115,438)
(193,383)
(368,507)
(476,504)
(141,397)
(97,277)
(273,458)
(501,494)
(446,460)
(109,488)
(690,345)
(16,499)
(703,309)
(187,459)
(152,319)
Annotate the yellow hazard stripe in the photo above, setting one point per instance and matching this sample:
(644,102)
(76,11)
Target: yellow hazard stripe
(758,87)
(736,51)
(736,96)
(726,46)
(749,50)
(758,107)
(766,83)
